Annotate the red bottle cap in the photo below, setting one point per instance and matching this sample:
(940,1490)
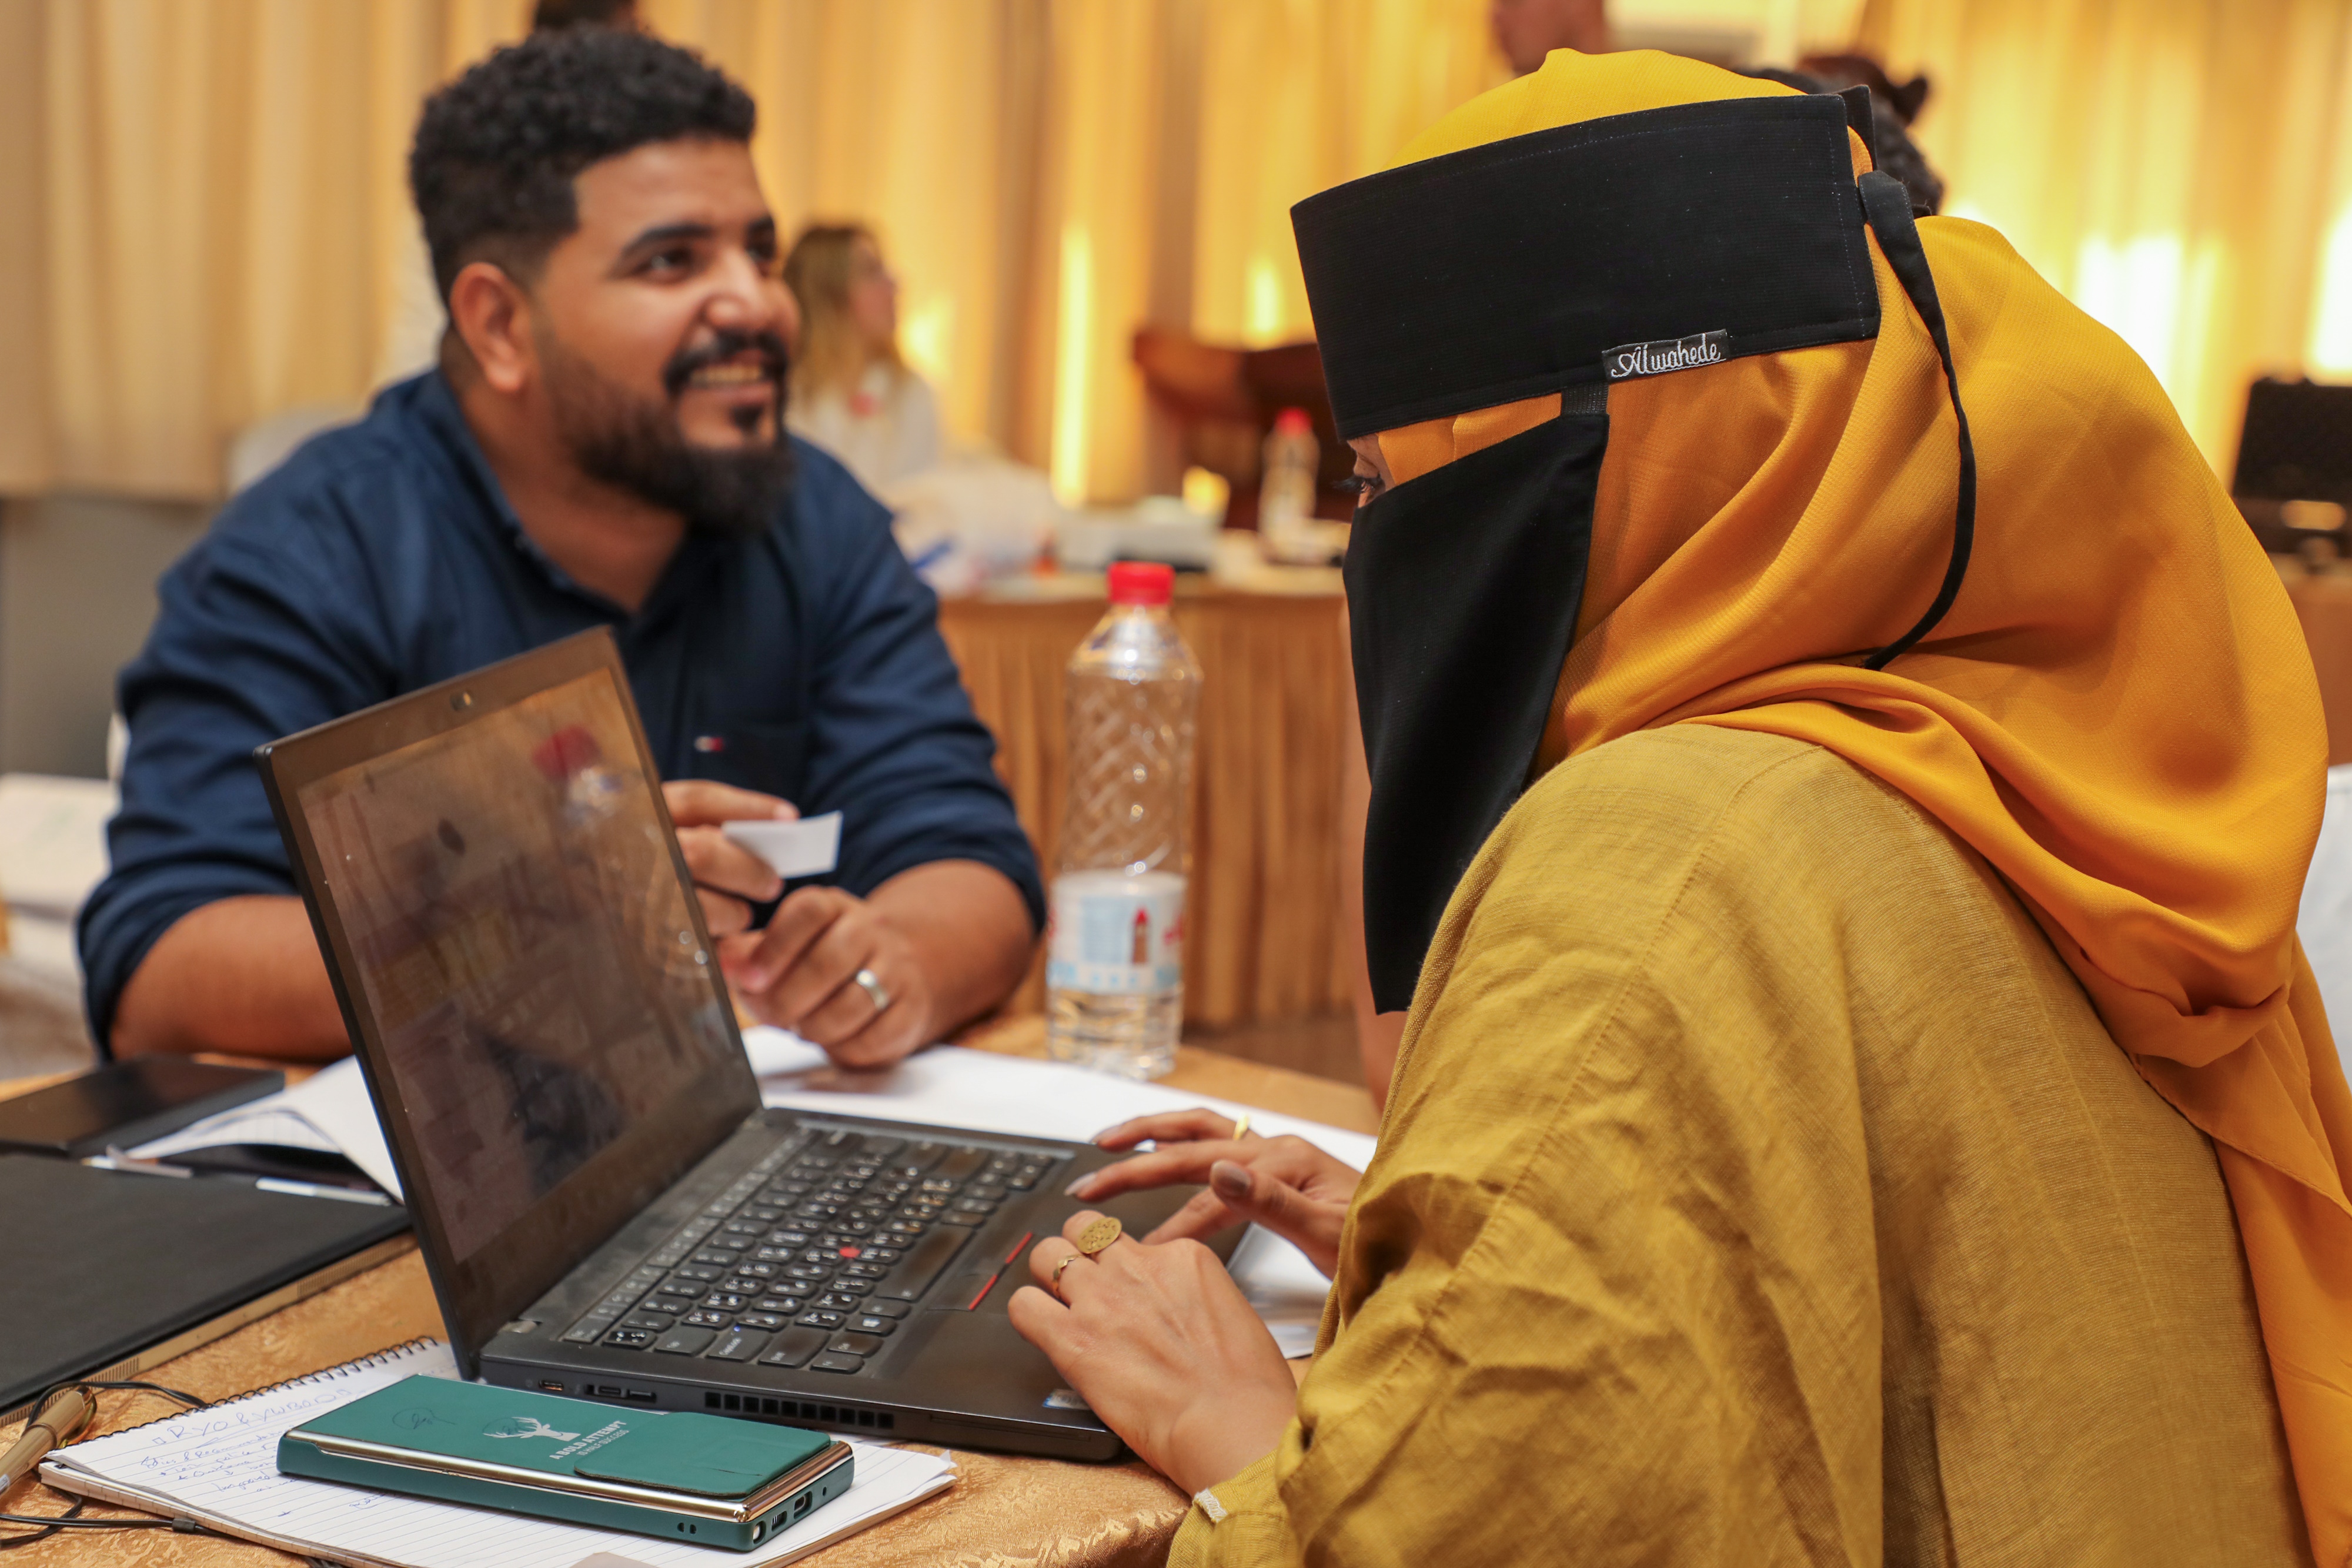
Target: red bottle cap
(1293,422)
(1142,582)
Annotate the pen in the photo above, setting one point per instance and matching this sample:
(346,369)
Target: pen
(312,1189)
(68,1412)
(116,1160)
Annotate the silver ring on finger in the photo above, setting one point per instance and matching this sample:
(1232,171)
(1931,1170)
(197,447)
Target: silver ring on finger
(876,991)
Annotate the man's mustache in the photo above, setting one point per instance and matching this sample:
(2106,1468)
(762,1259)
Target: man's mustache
(722,345)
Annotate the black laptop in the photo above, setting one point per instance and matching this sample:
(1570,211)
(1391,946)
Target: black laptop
(606,1210)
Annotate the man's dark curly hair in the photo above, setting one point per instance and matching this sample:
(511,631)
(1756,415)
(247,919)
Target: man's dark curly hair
(497,150)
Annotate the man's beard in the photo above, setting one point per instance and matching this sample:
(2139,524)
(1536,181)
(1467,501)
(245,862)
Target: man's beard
(635,443)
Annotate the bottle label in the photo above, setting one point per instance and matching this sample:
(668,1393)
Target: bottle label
(1117,936)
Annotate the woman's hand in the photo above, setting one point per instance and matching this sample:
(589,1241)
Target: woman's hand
(1286,1184)
(1159,1342)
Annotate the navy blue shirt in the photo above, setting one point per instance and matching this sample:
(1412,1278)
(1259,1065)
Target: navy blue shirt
(806,662)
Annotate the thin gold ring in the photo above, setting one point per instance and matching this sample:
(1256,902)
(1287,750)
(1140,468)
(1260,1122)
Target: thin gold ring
(1053,1279)
(1241,1128)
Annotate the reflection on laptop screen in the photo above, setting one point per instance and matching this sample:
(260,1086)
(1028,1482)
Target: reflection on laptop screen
(523,937)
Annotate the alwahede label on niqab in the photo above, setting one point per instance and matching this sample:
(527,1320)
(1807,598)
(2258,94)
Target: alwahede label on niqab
(1628,361)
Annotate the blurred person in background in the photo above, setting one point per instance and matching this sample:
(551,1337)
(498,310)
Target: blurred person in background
(1837,72)
(1528,30)
(1892,110)
(853,392)
(551,16)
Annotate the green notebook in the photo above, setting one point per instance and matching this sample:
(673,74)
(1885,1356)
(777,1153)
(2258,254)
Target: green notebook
(675,1474)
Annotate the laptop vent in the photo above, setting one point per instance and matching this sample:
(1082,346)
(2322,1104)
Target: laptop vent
(801,1410)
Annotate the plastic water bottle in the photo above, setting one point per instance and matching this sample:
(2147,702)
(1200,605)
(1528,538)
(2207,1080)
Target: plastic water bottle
(1115,953)
(1285,494)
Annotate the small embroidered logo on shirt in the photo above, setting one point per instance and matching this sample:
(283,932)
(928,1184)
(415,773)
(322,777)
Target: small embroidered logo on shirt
(1664,356)
(1210,1506)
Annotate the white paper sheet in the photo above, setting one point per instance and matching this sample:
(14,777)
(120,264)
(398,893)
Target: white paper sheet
(808,847)
(2326,921)
(263,1121)
(335,1101)
(954,1087)
(222,1463)
(52,841)
(45,944)
(330,1110)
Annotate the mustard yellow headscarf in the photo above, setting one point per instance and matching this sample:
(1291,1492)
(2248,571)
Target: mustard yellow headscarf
(2119,712)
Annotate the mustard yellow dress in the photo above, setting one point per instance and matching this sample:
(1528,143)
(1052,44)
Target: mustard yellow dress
(1759,1186)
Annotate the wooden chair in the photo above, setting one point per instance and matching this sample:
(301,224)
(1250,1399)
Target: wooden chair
(2294,477)
(1224,400)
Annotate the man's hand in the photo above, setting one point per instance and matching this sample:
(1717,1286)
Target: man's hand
(799,973)
(241,976)
(1286,1184)
(727,878)
(944,941)
(1159,1342)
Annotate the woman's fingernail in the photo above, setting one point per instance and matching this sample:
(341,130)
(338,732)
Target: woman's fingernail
(1080,1187)
(1229,1179)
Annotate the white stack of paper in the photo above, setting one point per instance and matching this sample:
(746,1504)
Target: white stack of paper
(2326,922)
(52,853)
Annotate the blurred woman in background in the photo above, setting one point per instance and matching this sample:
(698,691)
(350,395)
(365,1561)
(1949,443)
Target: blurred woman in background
(852,393)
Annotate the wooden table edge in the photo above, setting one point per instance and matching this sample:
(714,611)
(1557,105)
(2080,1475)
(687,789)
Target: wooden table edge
(1200,1070)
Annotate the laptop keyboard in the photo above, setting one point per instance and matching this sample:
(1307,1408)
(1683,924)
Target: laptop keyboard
(815,1255)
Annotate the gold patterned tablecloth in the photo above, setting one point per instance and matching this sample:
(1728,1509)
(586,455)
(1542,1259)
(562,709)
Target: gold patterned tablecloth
(1263,938)
(1001,1512)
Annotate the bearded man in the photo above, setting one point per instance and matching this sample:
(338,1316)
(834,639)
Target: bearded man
(601,444)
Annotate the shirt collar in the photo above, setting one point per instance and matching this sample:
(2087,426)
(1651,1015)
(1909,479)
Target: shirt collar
(436,408)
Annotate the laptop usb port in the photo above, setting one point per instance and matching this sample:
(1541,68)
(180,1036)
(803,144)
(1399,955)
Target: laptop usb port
(643,1396)
(551,1385)
(606,1390)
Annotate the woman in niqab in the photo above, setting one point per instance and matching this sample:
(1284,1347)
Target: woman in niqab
(1843,774)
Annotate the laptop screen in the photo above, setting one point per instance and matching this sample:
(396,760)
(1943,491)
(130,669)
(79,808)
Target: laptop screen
(524,945)
(515,940)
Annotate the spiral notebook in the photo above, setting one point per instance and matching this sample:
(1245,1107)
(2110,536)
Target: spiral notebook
(218,1466)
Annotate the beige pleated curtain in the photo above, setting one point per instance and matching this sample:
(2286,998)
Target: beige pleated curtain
(2181,169)
(204,217)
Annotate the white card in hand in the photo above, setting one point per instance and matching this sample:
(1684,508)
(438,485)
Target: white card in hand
(805,848)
